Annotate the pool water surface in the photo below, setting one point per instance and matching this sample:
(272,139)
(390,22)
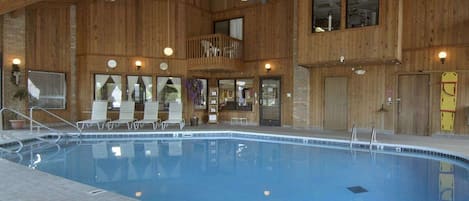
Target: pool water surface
(249,170)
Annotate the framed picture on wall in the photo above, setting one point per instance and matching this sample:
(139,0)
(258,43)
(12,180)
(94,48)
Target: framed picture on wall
(213,92)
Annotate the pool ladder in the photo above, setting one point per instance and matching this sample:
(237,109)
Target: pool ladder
(38,125)
(353,136)
(373,138)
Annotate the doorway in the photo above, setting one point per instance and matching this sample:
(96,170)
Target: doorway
(270,102)
(413,104)
(335,103)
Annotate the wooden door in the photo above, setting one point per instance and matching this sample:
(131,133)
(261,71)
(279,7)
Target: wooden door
(413,104)
(335,103)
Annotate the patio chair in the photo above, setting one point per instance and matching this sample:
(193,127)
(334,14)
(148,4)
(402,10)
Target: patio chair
(126,115)
(174,116)
(150,116)
(98,116)
(209,49)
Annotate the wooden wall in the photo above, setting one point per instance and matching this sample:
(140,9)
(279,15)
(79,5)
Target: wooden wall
(135,30)
(367,45)
(429,27)
(48,45)
(267,39)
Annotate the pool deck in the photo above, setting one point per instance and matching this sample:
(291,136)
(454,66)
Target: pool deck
(25,184)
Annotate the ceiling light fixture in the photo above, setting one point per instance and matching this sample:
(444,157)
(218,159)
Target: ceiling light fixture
(168,51)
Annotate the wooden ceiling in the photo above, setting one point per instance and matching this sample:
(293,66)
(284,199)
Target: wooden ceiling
(7,6)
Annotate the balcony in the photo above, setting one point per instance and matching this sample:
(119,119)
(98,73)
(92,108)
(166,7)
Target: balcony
(215,52)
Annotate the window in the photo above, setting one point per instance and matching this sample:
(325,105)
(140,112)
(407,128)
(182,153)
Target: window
(44,94)
(362,13)
(139,89)
(231,27)
(326,15)
(168,90)
(197,92)
(236,94)
(108,87)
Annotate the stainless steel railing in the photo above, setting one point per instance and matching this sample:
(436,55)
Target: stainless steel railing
(51,114)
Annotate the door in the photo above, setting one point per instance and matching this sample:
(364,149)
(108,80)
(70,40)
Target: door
(270,102)
(335,103)
(413,104)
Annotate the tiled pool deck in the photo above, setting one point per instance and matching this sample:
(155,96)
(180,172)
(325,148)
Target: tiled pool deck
(22,183)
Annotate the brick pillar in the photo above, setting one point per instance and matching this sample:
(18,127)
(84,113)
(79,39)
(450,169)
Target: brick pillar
(73,63)
(14,46)
(300,81)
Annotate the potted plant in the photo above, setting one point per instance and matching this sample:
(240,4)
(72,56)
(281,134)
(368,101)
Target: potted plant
(194,87)
(20,94)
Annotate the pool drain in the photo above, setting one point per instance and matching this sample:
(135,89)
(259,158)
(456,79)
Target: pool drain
(357,189)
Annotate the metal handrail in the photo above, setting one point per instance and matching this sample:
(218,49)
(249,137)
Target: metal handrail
(52,114)
(353,135)
(36,122)
(372,138)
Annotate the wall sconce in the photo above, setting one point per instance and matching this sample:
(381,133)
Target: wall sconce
(267,67)
(138,64)
(442,56)
(15,71)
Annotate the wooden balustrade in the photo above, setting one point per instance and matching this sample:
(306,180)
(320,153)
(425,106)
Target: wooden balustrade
(214,52)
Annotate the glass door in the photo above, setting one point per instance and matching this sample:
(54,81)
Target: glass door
(270,102)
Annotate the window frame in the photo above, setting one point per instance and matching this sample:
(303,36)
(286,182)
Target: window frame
(65,86)
(122,91)
(206,94)
(160,108)
(139,106)
(229,28)
(235,96)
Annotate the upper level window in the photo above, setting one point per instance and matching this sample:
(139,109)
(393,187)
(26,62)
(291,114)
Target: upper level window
(362,13)
(326,15)
(108,87)
(44,94)
(231,27)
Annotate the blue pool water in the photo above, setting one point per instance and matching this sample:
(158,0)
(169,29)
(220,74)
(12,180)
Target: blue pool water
(234,170)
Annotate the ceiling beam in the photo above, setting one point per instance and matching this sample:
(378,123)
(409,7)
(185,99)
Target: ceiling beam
(7,6)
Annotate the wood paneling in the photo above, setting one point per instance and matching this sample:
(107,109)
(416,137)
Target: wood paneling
(11,5)
(367,45)
(413,105)
(48,45)
(48,38)
(335,103)
(429,27)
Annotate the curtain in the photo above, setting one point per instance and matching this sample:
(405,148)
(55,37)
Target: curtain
(236,28)
(116,92)
(148,87)
(131,81)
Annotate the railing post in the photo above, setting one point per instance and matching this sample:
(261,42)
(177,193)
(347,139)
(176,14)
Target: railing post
(1,119)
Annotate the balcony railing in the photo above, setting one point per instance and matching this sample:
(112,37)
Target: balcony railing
(214,52)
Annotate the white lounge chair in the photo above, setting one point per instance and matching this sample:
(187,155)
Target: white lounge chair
(98,115)
(126,115)
(174,116)
(150,116)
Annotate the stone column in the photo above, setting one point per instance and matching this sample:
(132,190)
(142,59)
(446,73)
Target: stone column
(14,46)
(73,63)
(301,84)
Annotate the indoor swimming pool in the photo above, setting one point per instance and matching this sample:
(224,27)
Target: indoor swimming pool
(259,167)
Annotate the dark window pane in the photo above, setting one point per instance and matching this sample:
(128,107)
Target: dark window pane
(326,15)
(362,13)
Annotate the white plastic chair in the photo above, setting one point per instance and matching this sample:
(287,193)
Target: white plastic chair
(174,116)
(126,115)
(98,116)
(209,49)
(150,116)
